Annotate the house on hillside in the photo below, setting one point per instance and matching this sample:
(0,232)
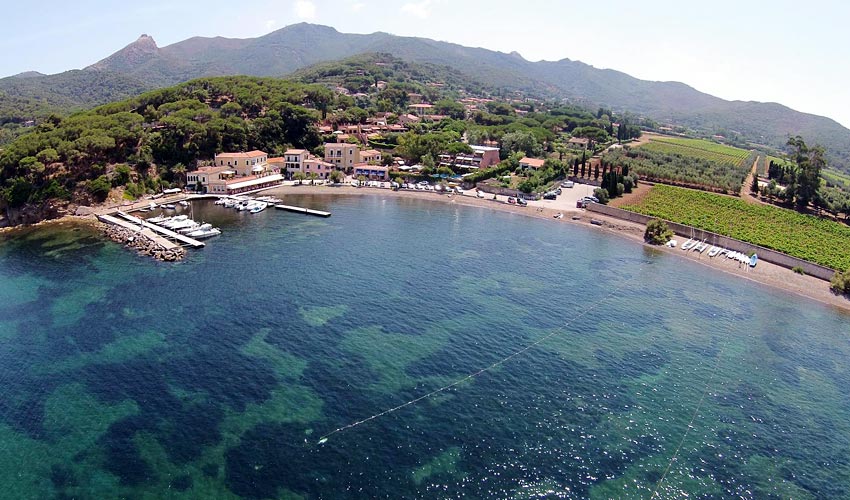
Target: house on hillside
(421,109)
(527,163)
(578,142)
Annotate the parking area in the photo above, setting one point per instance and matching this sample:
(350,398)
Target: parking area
(568,197)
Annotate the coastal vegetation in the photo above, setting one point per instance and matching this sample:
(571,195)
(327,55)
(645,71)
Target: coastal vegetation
(657,232)
(840,282)
(811,238)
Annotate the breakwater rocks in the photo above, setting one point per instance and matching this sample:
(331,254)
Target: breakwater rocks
(142,244)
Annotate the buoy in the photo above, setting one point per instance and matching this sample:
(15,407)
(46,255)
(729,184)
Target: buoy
(323,440)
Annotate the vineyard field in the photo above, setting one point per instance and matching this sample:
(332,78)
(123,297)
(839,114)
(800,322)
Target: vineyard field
(817,240)
(698,148)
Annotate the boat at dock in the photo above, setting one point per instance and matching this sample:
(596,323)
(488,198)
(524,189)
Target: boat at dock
(183,203)
(256,207)
(204,231)
(168,206)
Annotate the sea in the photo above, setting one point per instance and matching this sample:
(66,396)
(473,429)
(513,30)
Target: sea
(409,349)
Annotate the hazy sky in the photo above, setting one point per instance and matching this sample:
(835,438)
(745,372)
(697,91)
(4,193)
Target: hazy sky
(781,51)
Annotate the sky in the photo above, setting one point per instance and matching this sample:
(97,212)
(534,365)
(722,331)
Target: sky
(781,51)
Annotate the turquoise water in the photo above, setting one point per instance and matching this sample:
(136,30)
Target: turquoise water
(216,377)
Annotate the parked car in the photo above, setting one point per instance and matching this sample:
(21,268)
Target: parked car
(567,184)
(511,200)
(550,196)
(480,194)
(558,191)
(521,202)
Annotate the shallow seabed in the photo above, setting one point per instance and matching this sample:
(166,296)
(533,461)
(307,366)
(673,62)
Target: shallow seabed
(216,377)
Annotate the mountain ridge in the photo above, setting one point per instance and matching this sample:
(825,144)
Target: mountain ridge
(296,46)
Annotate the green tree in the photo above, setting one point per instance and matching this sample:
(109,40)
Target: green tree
(602,195)
(657,232)
(810,162)
(520,142)
(299,176)
(337,176)
(179,171)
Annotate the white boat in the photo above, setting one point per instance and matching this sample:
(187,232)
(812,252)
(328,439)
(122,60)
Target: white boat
(158,219)
(205,231)
(189,229)
(671,243)
(220,201)
(183,224)
(257,207)
(701,247)
(168,206)
(183,203)
(714,251)
(731,254)
(174,220)
(152,206)
(689,244)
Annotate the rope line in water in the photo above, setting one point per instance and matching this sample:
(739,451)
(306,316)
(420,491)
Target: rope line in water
(690,425)
(472,375)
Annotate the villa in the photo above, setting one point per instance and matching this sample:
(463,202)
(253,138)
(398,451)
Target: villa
(233,173)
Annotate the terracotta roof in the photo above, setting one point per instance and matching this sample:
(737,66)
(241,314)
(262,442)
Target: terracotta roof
(294,152)
(249,154)
(532,162)
(276,159)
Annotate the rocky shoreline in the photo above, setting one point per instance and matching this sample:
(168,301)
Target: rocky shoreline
(142,244)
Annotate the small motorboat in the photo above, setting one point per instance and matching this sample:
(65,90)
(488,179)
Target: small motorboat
(183,203)
(168,206)
(558,215)
(205,231)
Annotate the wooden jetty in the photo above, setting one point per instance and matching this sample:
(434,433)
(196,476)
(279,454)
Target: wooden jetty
(182,238)
(302,210)
(146,231)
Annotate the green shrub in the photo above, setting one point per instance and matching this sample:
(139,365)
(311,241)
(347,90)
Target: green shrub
(99,188)
(657,232)
(602,195)
(798,270)
(840,282)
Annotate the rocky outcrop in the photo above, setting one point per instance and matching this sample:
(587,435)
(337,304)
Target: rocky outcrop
(33,213)
(142,244)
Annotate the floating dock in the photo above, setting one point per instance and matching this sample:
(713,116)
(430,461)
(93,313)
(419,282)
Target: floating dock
(302,210)
(163,232)
(146,231)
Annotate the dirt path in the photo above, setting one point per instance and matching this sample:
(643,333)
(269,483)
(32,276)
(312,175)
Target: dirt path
(746,195)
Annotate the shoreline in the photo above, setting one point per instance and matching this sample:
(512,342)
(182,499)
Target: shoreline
(765,273)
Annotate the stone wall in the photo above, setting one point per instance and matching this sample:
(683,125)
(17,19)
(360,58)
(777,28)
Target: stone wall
(765,254)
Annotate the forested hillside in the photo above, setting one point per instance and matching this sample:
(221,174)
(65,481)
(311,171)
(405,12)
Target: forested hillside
(150,140)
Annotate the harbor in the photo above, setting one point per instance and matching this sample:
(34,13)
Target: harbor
(165,234)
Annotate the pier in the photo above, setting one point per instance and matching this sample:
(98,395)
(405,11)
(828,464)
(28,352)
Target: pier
(144,230)
(163,232)
(302,210)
